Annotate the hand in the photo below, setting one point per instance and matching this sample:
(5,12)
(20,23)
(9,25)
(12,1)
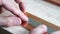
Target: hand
(42,29)
(8,21)
(10,5)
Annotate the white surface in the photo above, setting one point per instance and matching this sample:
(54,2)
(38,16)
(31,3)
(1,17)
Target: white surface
(44,10)
(17,30)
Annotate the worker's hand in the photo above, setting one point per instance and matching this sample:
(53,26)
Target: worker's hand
(10,5)
(8,21)
(41,29)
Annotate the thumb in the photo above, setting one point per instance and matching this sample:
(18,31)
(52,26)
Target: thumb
(41,29)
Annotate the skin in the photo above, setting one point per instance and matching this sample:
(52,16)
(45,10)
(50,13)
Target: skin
(19,16)
(41,29)
(11,6)
(9,21)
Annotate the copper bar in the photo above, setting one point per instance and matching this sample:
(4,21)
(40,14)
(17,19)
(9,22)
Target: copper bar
(28,25)
(56,2)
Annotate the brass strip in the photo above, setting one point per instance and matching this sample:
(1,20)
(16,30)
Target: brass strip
(43,21)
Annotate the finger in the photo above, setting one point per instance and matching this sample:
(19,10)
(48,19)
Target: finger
(56,32)
(21,5)
(13,21)
(10,6)
(22,8)
(2,9)
(3,21)
(39,30)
